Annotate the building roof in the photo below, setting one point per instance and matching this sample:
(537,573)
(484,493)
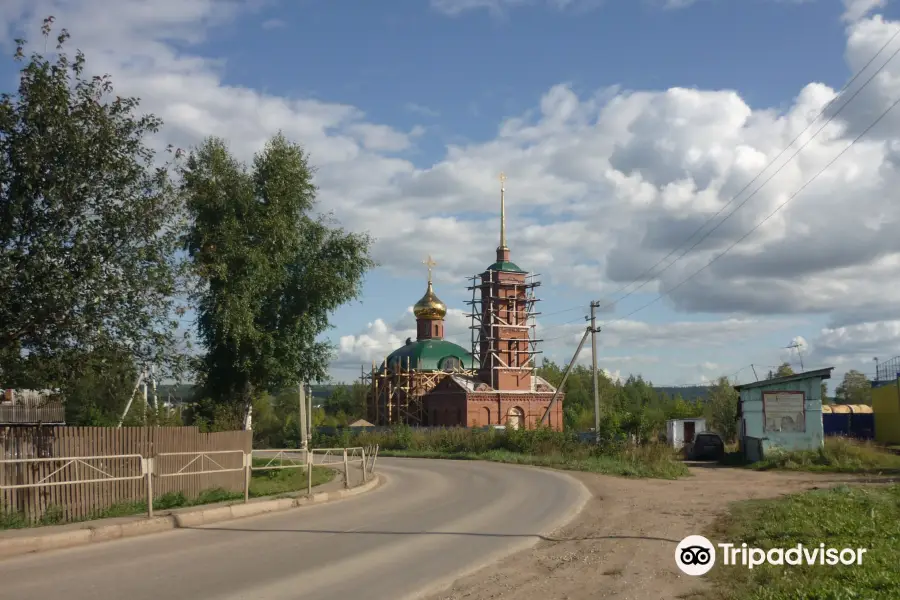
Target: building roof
(427,355)
(505,265)
(360,423)
(818,373)
(470,384)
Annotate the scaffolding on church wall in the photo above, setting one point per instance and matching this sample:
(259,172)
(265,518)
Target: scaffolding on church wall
(395,391)
(487,322)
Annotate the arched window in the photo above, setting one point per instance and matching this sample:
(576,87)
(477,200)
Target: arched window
(448,363)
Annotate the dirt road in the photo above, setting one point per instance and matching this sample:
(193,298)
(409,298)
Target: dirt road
(622,544)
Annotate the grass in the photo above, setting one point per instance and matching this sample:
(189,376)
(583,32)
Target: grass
(843,517)
(271,482)
(839,455)
(541,447)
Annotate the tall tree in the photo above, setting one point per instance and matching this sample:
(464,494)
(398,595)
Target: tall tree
(268,273)
(854,389)
(721,409)
(784,369)
(89,226)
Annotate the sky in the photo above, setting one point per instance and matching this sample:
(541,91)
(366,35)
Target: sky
(688,164)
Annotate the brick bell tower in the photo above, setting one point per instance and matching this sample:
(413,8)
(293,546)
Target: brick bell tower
(504,342)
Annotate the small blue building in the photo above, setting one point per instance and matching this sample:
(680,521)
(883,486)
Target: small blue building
(783,413)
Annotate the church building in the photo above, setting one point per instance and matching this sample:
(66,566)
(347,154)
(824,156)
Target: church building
(434,382)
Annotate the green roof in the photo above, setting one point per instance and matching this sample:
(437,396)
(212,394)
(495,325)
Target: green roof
(428,355)
(505,265)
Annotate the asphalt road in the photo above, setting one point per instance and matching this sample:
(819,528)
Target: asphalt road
(431,522)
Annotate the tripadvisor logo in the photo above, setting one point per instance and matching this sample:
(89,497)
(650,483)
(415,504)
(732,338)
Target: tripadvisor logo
(696,555)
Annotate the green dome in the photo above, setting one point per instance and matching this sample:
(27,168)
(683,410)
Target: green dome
(505,265)
(430,355)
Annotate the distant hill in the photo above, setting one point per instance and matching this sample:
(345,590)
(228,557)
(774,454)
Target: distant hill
(688,392)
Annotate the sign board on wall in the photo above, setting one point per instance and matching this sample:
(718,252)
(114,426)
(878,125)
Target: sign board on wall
(784,411)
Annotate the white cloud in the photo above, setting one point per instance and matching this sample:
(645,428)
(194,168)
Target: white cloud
(857,9)
(499,7)
(601,186)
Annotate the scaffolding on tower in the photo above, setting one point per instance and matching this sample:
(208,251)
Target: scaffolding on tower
(492,312)
(395,391)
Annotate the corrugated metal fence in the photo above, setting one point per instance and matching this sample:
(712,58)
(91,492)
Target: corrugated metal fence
(102,449)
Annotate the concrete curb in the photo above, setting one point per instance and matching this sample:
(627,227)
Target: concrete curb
(29,544)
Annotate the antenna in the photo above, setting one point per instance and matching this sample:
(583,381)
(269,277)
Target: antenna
(796,346)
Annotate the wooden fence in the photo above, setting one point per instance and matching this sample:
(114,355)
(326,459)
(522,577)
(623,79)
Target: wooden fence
(85,500)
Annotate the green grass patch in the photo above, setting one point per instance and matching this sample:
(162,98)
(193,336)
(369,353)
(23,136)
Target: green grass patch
(539,447)
(270,482)
(642,461)
(839,455)
(844,517)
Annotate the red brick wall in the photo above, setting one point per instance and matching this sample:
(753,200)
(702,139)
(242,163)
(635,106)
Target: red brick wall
(454,407)
(498,405)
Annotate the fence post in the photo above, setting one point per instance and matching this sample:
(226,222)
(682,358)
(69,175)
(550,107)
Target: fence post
(346,471)
(363,450)
(374,458)
(248,463)
(309,470)
(149,467)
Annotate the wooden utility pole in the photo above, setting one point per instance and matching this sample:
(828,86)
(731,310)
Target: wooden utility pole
(594,374)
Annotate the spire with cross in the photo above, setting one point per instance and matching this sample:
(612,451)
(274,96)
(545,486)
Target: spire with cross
(502,210)
(428,262)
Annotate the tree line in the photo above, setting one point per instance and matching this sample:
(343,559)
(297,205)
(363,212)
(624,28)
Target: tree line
(629,407)
(108,247)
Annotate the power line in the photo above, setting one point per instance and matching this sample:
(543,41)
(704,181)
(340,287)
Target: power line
(758,175)
(772,214)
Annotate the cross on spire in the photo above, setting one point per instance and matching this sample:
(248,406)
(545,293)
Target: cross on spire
(428,262)
(502,210)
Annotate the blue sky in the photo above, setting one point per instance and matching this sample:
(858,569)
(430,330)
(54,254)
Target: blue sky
(610,118)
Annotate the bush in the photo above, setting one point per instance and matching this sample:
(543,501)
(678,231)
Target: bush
(541,447)
(838,455)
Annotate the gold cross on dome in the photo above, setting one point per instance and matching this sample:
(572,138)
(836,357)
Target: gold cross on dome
(428,262)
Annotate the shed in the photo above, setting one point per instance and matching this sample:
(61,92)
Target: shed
(783,413)
(680,432)
(360,423)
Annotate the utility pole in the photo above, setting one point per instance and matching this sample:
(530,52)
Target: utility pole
(303,430)
(309,418)
(594,331)
(134,391)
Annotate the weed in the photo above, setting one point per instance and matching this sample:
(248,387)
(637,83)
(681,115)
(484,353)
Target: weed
(843,517)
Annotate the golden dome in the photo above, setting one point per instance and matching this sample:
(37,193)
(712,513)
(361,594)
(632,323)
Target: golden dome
(430,306)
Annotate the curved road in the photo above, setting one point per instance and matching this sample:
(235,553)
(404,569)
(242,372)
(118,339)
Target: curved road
(430,522)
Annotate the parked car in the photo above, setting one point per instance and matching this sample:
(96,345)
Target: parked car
(707,445)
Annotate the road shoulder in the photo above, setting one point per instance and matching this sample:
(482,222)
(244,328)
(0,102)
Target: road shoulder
(621,545)
(17,542)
